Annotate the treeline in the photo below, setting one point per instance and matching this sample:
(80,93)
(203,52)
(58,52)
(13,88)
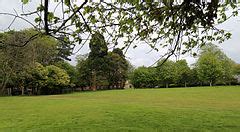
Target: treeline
(212,68)
(39,67)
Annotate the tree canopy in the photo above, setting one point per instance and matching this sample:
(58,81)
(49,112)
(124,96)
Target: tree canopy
(213,67)
(102,68)
(177,26)
(23,67)
(213,64)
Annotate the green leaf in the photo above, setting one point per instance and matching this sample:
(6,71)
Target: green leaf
(40,8)
(67,2)
(50,16)
(25,1)
(37,20)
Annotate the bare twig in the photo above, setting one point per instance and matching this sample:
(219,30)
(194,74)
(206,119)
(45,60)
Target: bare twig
(172,52)
(82,44)
(73,14)
(15,15)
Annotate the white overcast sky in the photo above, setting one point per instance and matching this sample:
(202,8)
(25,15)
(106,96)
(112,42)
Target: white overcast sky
(138,56)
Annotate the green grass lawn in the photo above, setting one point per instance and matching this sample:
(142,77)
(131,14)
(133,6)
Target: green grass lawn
(174,109)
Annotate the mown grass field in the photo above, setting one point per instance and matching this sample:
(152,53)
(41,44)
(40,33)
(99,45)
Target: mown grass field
(174,109)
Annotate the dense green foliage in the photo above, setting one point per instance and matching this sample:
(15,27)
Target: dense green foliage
(71,71)
(213,67)
(56,78)
(209,68)
(144,77)
(102,69)
(47,80)
(237,69)
(183,73)
(37,68)
(23,66)
(166,72)
(192,109)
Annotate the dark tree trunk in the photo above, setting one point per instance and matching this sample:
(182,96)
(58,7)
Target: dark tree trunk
(122,85)
(93,87)
(3,86)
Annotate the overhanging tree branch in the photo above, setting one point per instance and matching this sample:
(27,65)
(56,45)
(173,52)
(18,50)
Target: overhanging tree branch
(46,17)
(17,16)
(73,14)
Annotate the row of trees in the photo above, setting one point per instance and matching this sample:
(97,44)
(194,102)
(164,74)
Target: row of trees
(213,67)
(39,66)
